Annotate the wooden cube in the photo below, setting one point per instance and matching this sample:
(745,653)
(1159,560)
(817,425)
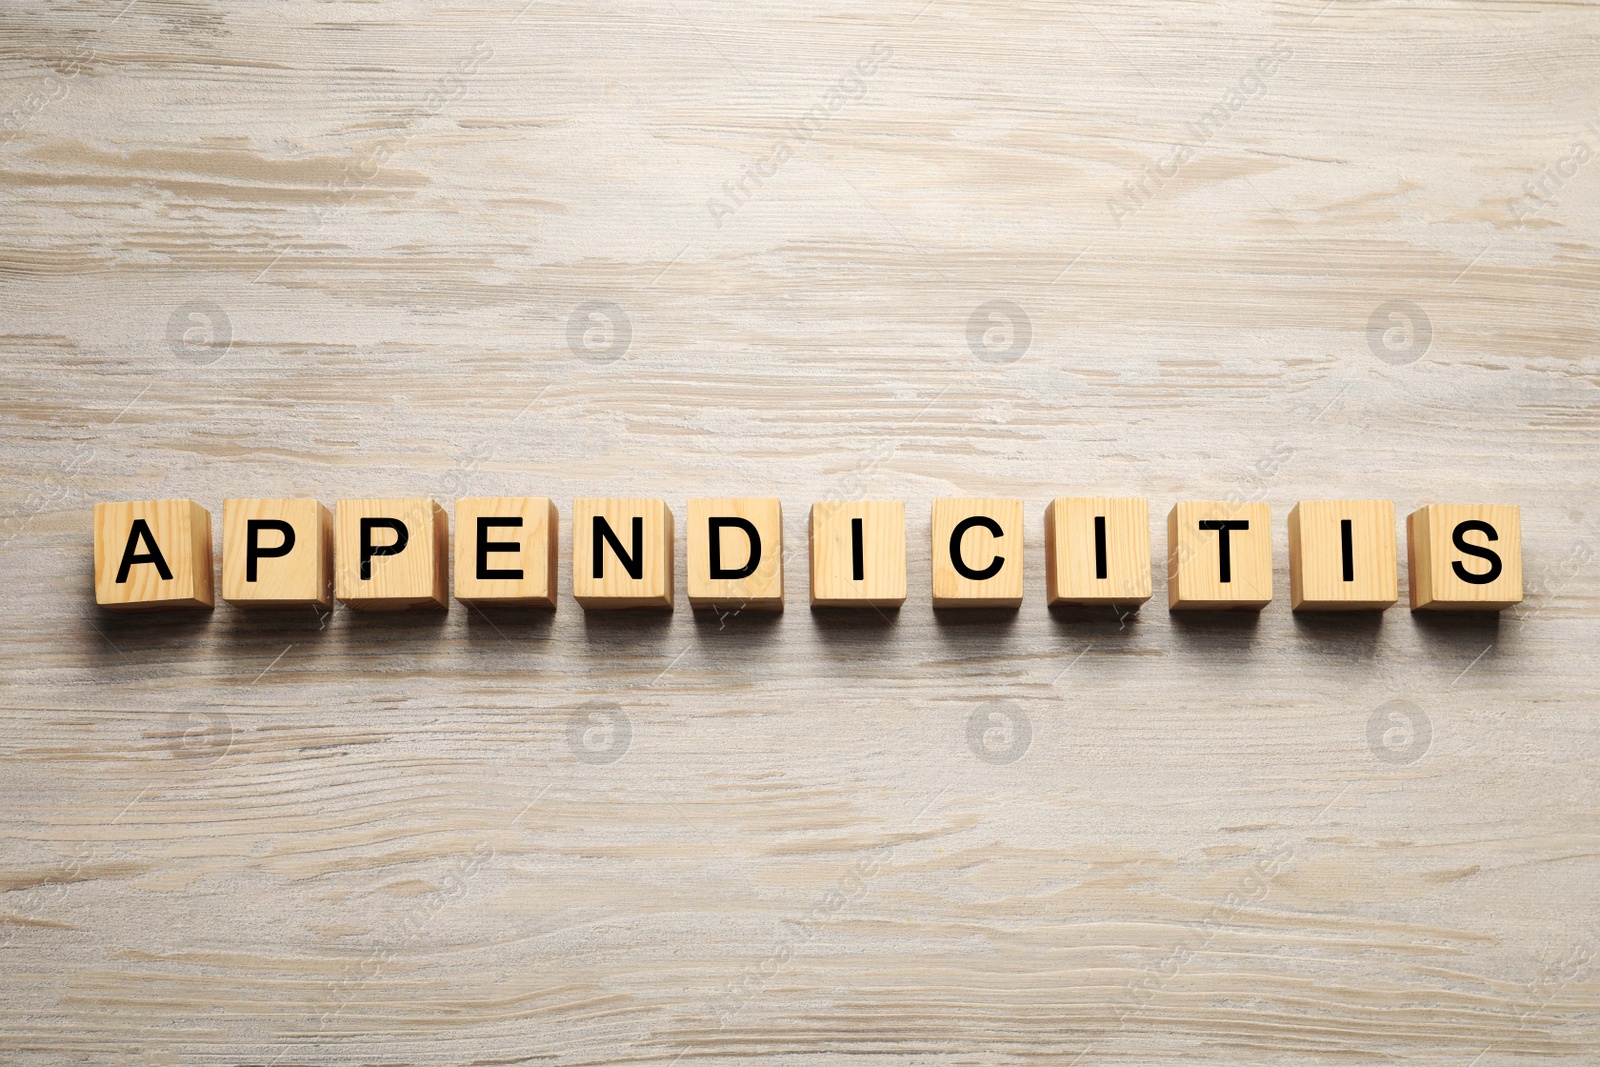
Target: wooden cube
(621,553)
(977,553)
(391,555)
(1465,557)
(506,551)
(152,554)
(1219,556)
(277,553)
(858,553)
(1342,556)
(1097,551)
(736,554)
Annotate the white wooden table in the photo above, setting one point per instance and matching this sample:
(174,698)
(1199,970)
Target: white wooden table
(701,249)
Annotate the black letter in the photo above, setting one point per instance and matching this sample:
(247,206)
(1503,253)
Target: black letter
(722,522)
(960,564)
(252,543)
(858,552)
(1347,544)
(1224,550)
(368,549)
(1460,541)
(1100,547)
(632,562)
(141,529)
(486,546)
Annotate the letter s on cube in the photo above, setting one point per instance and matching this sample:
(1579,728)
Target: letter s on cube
(1465,557)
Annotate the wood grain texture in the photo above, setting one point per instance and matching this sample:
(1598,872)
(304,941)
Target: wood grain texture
(836,251)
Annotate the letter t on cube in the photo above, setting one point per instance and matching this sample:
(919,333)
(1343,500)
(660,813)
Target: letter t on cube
(1219,555)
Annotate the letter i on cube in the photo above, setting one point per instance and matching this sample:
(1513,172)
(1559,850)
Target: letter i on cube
(1097,551)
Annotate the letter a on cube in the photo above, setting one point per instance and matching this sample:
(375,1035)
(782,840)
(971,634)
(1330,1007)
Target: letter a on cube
(152,554)
(736,554)
(277,554)
(506,551)
(1219,556)
(621,553)
(858,553)
(1342,556)
(977,553)
(1465,557)
(391,555)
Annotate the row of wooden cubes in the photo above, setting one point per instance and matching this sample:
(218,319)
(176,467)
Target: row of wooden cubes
(394,554)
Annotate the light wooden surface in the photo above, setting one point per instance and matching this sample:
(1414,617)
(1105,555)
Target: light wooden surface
(337,250)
